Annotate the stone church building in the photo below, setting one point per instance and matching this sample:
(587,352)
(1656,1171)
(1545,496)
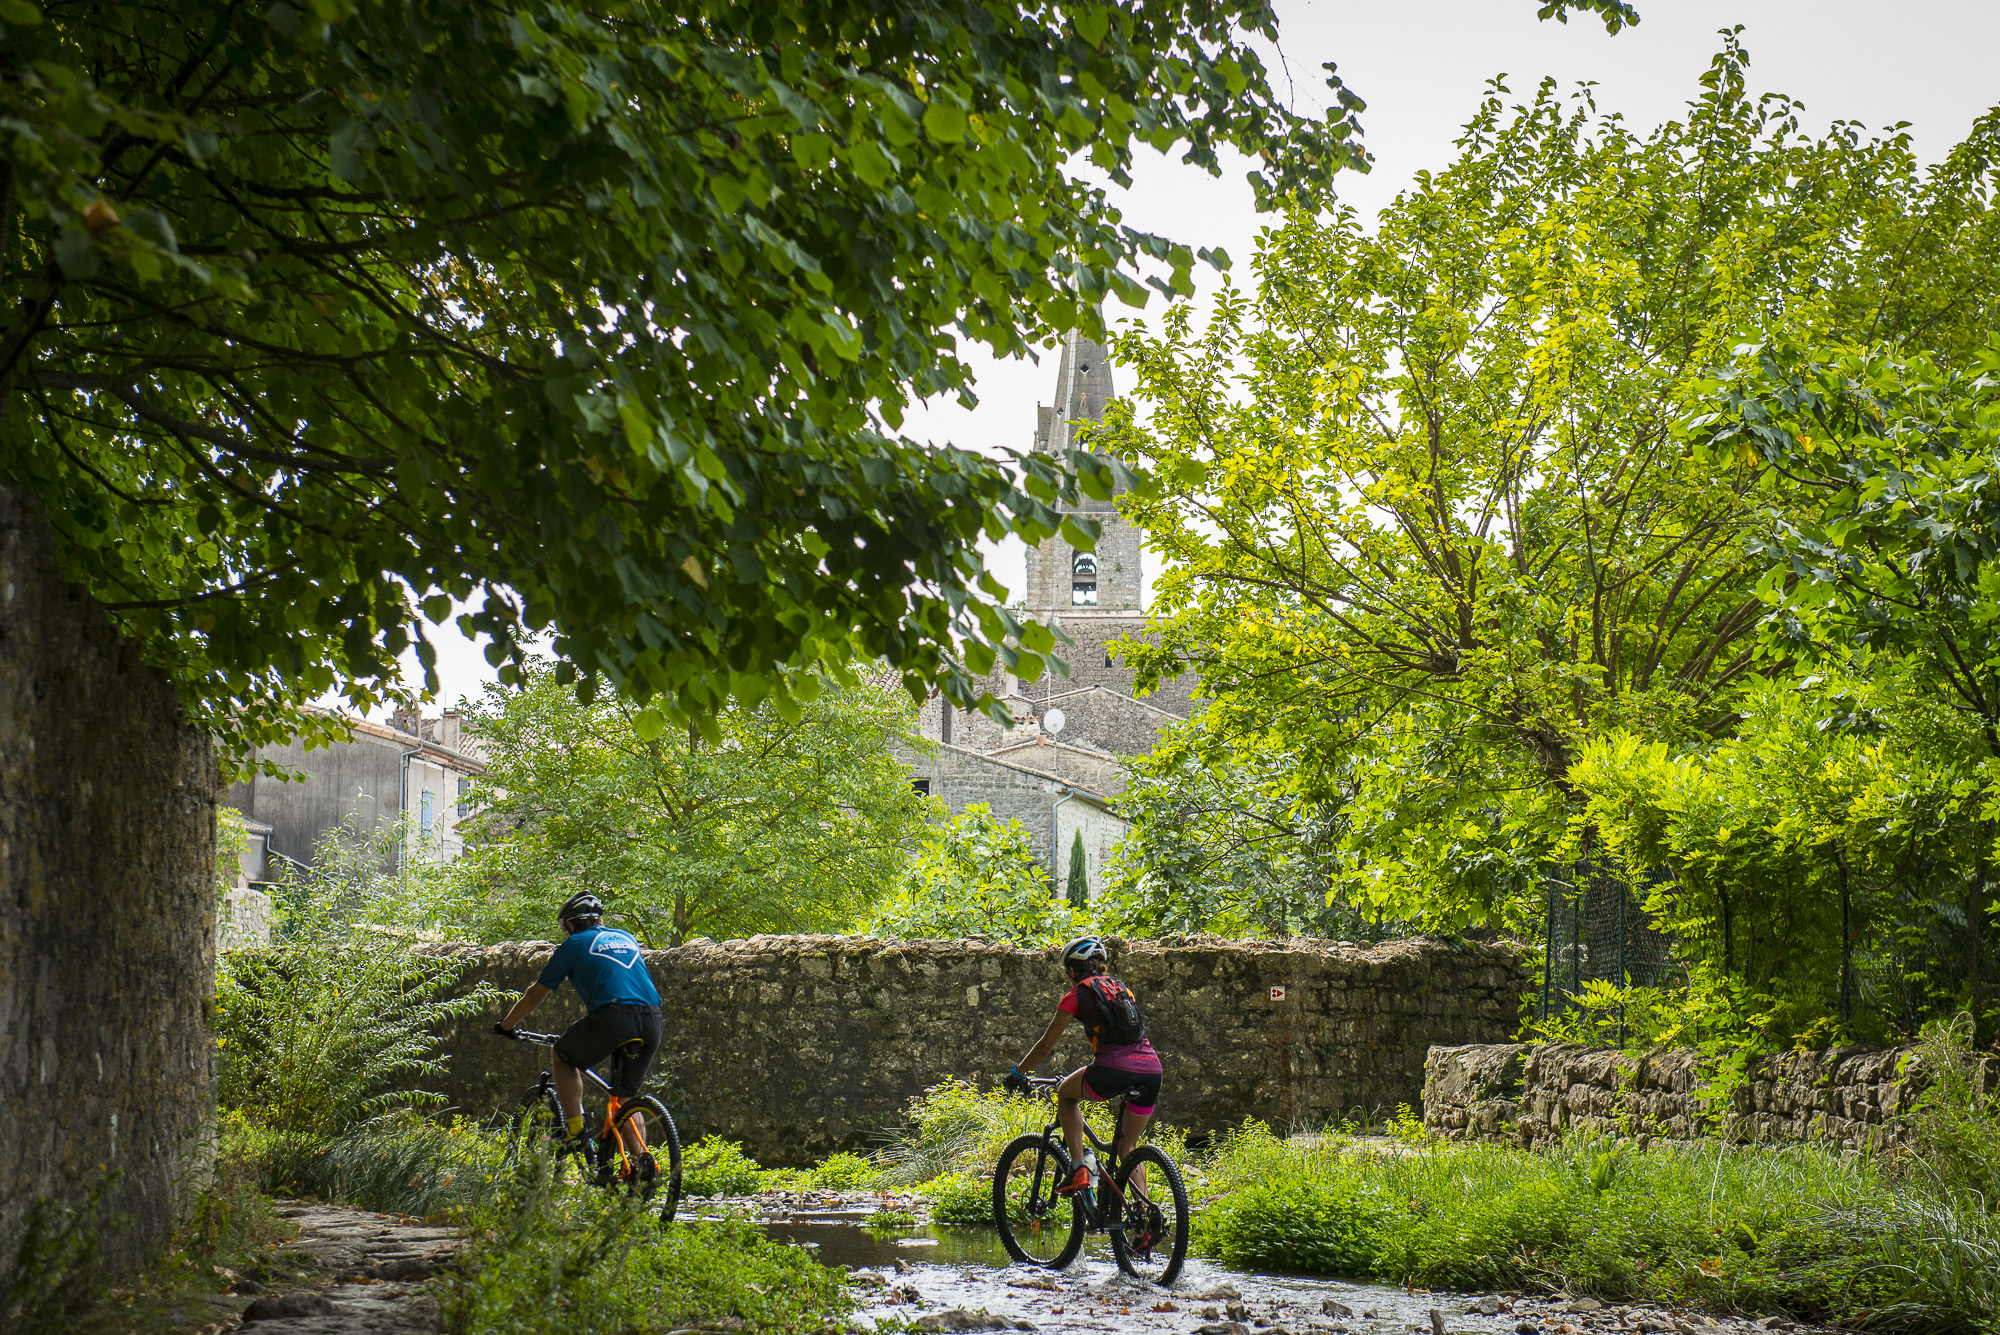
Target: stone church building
(1057,769)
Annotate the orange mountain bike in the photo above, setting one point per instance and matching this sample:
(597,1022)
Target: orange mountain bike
(618,1157)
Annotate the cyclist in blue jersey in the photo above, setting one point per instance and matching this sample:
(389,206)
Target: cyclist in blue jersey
(608,969)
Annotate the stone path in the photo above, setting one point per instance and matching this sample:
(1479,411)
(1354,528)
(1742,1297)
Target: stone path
(366,1277)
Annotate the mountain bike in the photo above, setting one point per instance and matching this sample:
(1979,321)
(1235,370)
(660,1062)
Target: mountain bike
(617,1157)
(1148,1223)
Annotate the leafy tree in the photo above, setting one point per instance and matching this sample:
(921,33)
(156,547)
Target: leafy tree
(977,875)
(1891,572)
(1900,557)
(1078,889)
(782,826)
(606,313)
(1814,869)
(1224,840)
(1427,523)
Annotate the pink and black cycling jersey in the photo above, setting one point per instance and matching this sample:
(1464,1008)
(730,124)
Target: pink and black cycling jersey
(1138,1057)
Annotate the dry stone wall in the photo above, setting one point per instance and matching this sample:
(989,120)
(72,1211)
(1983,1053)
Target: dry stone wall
(107,910)
(1851,1098)
(799,1046)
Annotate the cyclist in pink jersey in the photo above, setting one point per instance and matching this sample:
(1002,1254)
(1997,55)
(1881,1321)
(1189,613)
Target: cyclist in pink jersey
(1122,1057)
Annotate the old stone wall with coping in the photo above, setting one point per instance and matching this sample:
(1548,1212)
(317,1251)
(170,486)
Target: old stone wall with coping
(800,1046)
(107,912)
(1850,1098)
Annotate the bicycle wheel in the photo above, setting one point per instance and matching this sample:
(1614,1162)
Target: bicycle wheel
(1153,1244)
(1038,1226)
(656,1177)
(537,1122)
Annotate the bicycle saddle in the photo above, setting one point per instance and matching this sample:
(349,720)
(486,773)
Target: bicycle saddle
(1135,1093)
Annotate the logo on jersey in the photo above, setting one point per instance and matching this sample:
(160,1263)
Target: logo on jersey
(616,946)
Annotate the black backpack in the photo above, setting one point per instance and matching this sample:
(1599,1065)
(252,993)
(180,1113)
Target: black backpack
(1119,1019)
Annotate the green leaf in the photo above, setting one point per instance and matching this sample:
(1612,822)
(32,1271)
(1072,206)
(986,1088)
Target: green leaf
(944,122)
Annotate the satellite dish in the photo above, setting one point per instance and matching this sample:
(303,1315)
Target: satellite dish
(1052,722)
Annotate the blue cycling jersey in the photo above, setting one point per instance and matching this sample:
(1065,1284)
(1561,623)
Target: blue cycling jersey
(606,966)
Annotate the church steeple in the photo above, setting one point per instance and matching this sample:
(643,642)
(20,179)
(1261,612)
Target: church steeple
(1062,580)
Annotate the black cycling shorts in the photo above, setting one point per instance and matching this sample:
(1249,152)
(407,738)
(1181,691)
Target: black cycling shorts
(1108,1082)
(605,1032)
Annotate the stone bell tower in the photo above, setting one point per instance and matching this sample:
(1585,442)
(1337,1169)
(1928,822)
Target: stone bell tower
(1063,581)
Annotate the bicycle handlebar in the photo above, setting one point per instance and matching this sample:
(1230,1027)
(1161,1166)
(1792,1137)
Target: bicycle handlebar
(530,1036)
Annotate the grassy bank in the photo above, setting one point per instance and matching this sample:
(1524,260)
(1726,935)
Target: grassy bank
(1907,1242)
(1797,1231)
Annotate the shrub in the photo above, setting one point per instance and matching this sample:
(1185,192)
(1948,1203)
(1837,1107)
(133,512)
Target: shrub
(842,1172)
(713,1166)
(960,1199)
(332,1025)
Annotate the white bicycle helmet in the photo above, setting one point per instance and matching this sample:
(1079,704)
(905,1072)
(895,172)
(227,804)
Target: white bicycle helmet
(1086,952)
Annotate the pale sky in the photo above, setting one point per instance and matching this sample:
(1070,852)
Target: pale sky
(1421,69)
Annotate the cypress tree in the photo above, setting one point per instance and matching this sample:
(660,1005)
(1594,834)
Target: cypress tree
(1079,881)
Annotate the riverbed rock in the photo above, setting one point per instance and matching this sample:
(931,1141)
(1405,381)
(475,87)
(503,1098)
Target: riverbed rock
(958,1319)
(284,1306)
(1339,1309)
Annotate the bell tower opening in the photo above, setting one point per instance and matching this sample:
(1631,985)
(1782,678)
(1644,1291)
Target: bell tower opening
(1083,581)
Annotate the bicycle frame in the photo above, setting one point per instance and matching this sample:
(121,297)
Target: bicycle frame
(1107,1151)
(548,1083)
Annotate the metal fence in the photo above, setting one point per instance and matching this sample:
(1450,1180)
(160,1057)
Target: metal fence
(1597,930)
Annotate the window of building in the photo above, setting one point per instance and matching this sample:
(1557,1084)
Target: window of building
(923,786)
(426,810)
(1083,581)
(464,797)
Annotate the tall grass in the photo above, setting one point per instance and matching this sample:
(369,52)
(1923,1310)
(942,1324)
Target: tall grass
(1727,1227)
(402,1164)
(954,1128)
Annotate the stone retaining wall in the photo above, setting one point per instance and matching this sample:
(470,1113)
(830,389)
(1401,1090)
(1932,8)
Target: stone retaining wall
(1852,1098)
(799,1046)
(107,911)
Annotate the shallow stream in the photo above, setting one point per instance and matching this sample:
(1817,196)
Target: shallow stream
(952,1268)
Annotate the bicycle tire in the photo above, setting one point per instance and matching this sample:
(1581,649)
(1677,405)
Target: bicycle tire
(1037,1238)
(1141,1254)
(663,1139)
(538,1120)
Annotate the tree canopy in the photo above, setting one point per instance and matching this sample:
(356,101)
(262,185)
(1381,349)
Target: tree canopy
(784,825)
(602,317)
(604,313)
(1428,518)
